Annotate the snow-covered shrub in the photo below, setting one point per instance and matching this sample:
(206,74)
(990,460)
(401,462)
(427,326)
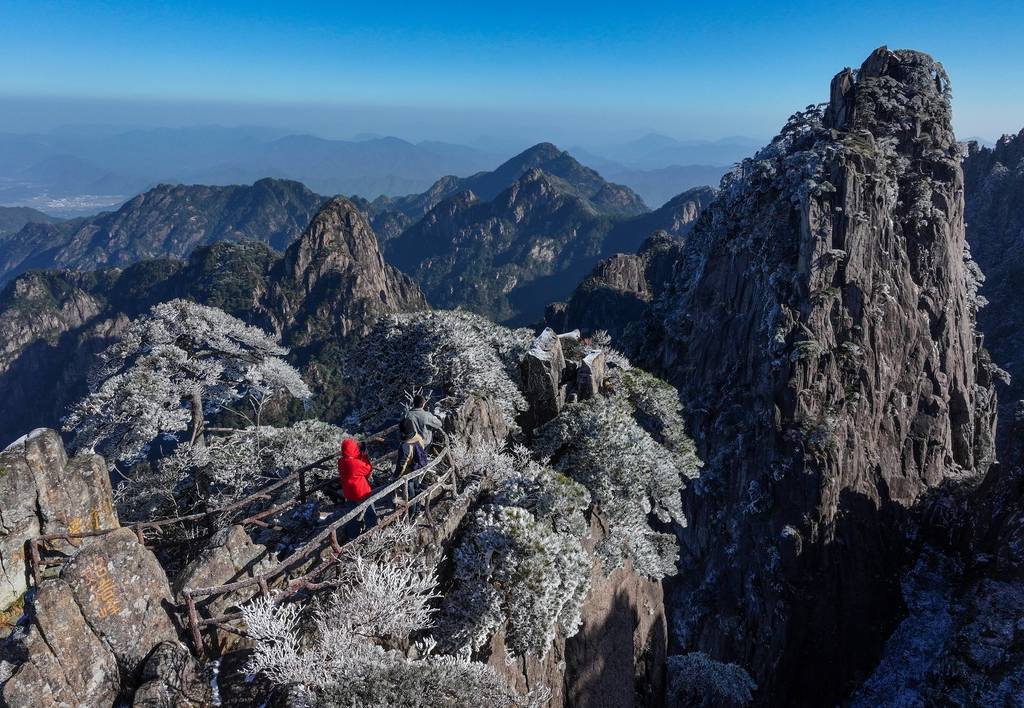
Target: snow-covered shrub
(454,354)
(172,367)
(696,679)
(631,453)
(514,570)
(601,341)
(345,651)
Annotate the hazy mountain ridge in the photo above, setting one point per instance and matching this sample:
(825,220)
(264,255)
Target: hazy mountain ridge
(13,219)
(167,221)
(69,163)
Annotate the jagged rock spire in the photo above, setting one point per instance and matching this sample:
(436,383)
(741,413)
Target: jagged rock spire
(822,333)
(333,280)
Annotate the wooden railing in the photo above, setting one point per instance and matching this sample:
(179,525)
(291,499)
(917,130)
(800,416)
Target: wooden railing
(313,561)
(314,576)
(301,475)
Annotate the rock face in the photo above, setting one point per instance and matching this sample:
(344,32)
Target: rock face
(93,628)
(171,677)
(75,668)
(821,331)
(41,492)
(994,194)
(542,378)
(615,660)
(960,643)
(333,281)
(167,221)
(229,555)
(620,290)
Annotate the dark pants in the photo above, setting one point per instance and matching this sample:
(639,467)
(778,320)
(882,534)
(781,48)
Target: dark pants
(360,525)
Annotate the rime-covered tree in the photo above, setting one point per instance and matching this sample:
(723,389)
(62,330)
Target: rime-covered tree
(453,354)
(172,368)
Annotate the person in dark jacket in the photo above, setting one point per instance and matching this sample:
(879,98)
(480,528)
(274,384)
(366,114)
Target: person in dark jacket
(423,420)
(412,455)
(354,470)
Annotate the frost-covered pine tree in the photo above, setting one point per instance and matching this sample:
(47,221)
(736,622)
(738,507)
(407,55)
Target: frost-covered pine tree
(172,368)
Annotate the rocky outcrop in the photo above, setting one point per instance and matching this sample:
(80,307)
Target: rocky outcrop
(228,556)
(167,221)
(42,492)
(620,290)
(72,665)
(93,627)
(615,660)
(821,331)
(171,676)
(994,211)
(333,282)
(542,382)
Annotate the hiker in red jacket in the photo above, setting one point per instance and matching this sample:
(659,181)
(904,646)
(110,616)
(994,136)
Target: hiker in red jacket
(354,470)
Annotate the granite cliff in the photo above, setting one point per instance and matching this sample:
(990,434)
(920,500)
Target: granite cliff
(822,334)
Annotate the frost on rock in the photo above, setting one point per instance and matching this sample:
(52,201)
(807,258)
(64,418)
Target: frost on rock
(452,354)
(630,451)
(696,679)
(521,565)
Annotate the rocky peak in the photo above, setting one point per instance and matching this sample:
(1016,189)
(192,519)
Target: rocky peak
(333,281)
(821,330)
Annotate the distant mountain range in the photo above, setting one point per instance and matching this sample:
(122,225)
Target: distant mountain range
(81,171)
(505,246)
(503,243)
(12,219)
(40,170)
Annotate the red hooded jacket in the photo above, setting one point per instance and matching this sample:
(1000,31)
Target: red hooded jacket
(353,470)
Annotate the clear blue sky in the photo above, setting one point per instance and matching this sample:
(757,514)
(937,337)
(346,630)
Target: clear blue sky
(706,69)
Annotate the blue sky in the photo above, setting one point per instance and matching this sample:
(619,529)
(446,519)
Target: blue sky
(692,70)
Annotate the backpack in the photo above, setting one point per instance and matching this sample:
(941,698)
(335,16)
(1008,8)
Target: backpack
(419,457)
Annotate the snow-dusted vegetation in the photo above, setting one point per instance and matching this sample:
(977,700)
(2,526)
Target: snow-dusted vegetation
(696,679)
(346,649)
(452,354)
(521,565)
(152,392)
(630,451)
(170,369)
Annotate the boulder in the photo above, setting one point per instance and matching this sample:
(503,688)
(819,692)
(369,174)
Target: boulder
(478,421)
(230,555)
(541,371)
(591,374)
(92,628)
(172,677)
(41,492)
(64,659)
(123,593)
